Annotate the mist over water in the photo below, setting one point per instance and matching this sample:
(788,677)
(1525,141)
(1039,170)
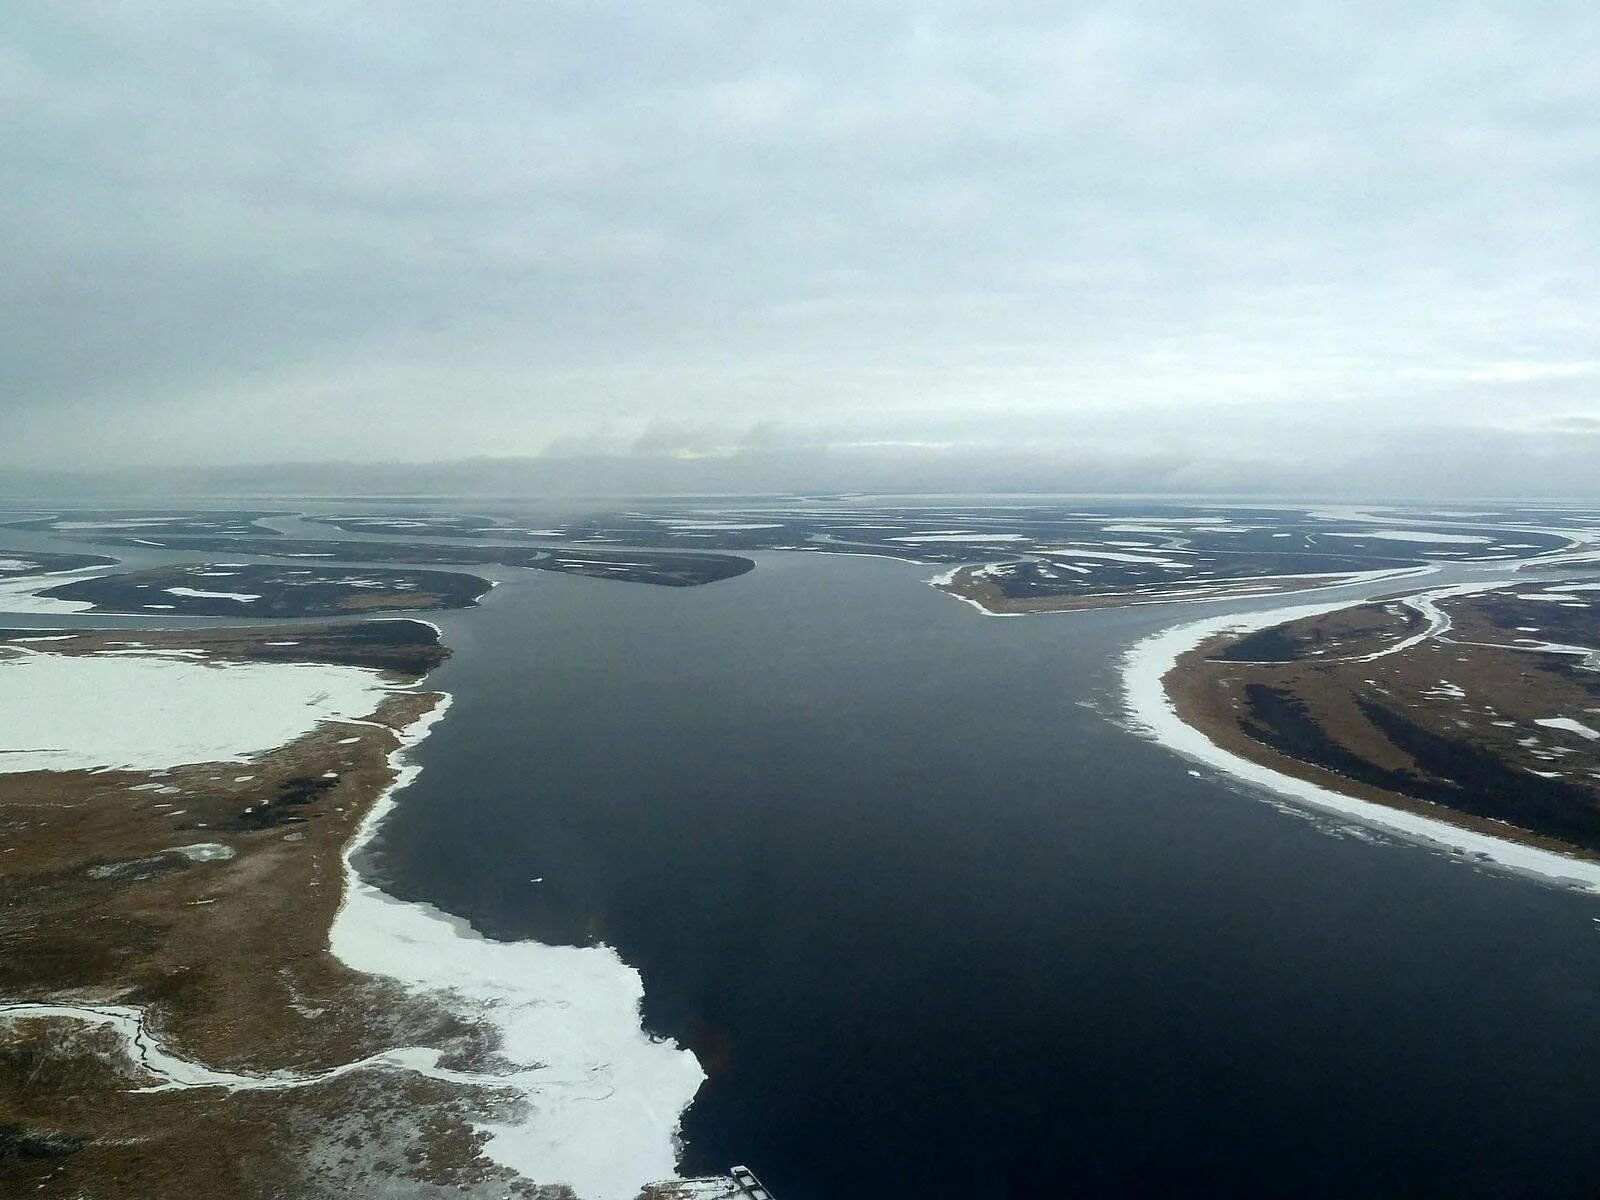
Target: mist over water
(937,927)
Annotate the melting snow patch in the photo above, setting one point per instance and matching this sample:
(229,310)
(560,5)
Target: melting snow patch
(195,593)
(22,595)
(1416,535)
(961,537)
(204,852)
(1568,725)
(730,526)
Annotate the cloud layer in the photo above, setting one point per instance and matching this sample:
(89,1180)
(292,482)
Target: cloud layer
(1234,234)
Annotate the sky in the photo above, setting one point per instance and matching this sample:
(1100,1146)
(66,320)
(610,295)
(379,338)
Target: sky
(1150,246)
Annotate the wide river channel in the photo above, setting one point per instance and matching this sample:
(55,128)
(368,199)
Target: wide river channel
(938,925)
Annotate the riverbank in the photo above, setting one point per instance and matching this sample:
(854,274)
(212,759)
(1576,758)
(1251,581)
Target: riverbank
(978,586)
(185,895)
(203,993)
(1175,692)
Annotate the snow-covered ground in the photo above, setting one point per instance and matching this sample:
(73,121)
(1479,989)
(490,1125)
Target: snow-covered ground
(1414,535)
(20,594)
(1570,725)
(148,711)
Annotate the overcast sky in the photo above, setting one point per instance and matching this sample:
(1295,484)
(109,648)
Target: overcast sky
(1213,239)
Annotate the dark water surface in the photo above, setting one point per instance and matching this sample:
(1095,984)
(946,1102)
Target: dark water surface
(938,929)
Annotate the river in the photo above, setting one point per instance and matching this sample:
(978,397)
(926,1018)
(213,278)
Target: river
(939,926)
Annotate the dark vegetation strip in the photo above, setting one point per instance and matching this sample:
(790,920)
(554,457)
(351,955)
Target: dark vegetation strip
(663,568)
(1459,776)
(277,591)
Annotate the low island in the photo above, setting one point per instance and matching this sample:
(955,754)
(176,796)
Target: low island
(1477,706)
(262,590)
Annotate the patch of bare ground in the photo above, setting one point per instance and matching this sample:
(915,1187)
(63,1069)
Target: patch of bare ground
(1447,726)
(230,962)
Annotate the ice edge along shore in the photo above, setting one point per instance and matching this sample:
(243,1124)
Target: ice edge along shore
(605,1098)
(602,1100)
(1151,712)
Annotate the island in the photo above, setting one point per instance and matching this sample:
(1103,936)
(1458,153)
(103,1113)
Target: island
(152,522)
(1004,558)
(256,589)
(1477,705)
(661,568)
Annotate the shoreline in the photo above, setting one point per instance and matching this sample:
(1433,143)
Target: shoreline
(959,583)
(608,1095)
(528,1065)
(1151,711)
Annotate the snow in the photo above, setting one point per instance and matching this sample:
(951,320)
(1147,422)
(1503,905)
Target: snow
(1115,556)
(18,564)
(147,711)
(205,852)
(1416,535)
(195,593)
(1150,711)
(1568,725)
(730,526)
(21,595)
(983,538)
(175,1072)
(132,523)
(605,1097)
(1439,623)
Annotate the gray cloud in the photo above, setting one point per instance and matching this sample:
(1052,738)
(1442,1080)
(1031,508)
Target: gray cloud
(1220,240)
